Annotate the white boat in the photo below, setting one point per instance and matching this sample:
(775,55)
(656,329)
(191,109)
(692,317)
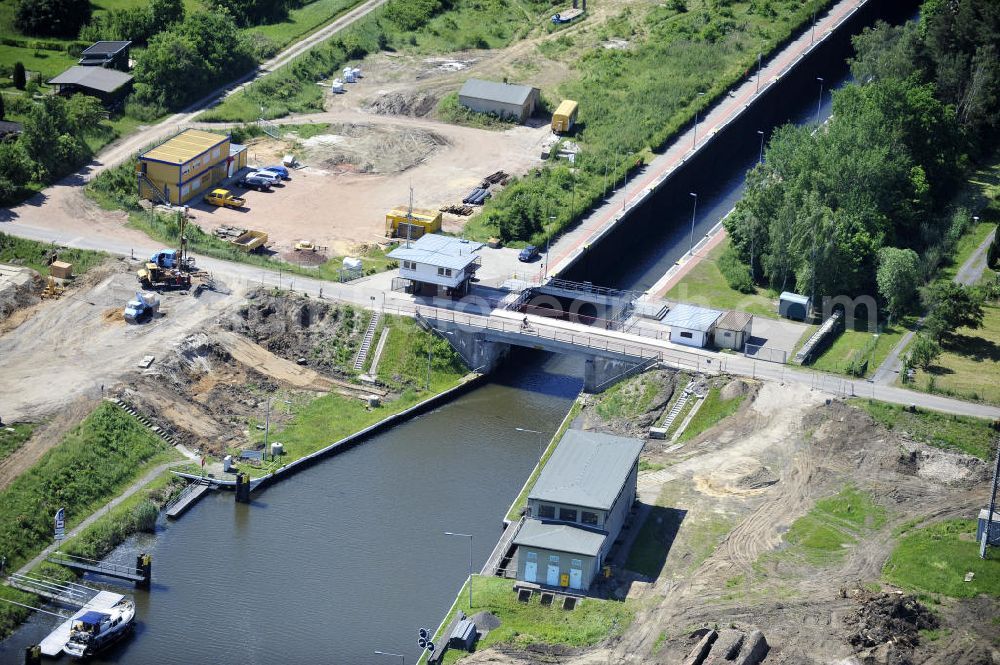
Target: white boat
(94,631)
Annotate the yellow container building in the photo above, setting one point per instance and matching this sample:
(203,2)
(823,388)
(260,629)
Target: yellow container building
(420,221)
(565,116)
(186,165)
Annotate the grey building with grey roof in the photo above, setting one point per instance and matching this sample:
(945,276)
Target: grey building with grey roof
(108,85)
(505,100)
(576,509)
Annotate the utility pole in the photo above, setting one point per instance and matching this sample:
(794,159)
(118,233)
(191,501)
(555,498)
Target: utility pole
(694,135)
(267,425)
(694,210)
(819,104)
(760,160)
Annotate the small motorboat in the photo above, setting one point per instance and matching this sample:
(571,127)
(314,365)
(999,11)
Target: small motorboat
(94,631)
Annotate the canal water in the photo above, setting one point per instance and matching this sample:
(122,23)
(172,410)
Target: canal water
(348,556)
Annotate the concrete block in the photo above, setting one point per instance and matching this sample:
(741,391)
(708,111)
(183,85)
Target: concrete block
(700,651)
(726,647)
(657,432)
(754,649)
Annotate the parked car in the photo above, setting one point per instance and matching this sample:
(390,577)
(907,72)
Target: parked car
(529,253)
(255,182)
(280,170)
(271,177)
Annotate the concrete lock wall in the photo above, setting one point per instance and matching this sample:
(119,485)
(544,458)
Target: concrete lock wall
(598,372)
(480,354)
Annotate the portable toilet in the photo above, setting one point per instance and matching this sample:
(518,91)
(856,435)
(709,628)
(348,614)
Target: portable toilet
(337,87)
(227,464)
(352,264)
(794,306)
(349,75)
(356,72)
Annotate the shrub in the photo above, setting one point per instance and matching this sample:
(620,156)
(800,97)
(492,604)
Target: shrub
(20,78)
(736,272)
(58,18)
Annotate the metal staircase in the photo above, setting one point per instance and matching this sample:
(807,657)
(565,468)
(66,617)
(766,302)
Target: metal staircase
(677,408)
(366,343)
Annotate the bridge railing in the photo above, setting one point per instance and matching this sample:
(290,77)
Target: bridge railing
(72,560)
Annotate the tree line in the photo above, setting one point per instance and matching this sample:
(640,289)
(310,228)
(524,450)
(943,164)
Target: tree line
(861,205)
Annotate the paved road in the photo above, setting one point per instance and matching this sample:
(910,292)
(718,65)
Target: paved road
(969,273)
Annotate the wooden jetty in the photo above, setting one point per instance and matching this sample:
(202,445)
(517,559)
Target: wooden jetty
(140,573)
(54,642)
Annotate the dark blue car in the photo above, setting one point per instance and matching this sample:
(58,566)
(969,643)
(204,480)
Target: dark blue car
(529,253)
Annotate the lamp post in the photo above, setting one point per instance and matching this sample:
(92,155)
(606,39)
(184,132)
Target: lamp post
(625,189)
(402,658)
(469,536)
(759,56)
(819,104)
(760,160)
(533,431)
(694,211)
(694,136)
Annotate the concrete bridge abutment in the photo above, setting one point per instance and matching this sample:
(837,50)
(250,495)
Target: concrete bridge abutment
(599,373)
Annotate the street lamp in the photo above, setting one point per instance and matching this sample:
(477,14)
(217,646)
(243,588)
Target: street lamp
(469,536)
(402,658)
(625,190)
(694,210)
(533,431)
(760,160)
(819,104)
(694,137)
(759,56)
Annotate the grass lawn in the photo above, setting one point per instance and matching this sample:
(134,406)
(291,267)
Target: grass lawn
(713,411)
(652,545)
(31,253)
(936,558)
(973,436)
(522,499)
(627,399)
(14,436)
(853,345)
(304,20)
(835,523)
(706,286)
(48,63)
(969,365)
(524,624)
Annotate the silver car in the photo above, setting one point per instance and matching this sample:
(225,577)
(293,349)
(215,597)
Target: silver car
(269,176)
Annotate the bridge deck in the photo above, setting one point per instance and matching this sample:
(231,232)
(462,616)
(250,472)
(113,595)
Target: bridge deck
(54,642)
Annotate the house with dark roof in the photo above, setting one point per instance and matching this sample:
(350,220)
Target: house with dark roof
(113,55)
(577,509)
(504,100)
(108,85)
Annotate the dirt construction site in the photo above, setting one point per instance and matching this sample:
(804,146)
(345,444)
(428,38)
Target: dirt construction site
(720,505)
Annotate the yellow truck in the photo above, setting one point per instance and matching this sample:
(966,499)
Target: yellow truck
(224,199)
(565,116)
(251,240)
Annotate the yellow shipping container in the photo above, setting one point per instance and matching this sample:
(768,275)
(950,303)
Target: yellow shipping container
(565,116)
(421,221)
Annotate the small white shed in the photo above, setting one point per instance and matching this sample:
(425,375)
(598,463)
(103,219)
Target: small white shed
(691,325)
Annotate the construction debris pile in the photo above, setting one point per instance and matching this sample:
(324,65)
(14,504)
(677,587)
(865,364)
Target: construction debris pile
(416,104)
(886,628)
(371,148)
(462,210)
(307,331)
(229,233)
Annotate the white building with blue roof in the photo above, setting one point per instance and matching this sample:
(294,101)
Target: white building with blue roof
(438,265)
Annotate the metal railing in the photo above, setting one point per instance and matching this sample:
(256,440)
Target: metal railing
(107,566)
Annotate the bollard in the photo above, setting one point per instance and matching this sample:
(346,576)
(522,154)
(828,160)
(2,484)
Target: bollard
(33,655)
(144,567)
(242,488)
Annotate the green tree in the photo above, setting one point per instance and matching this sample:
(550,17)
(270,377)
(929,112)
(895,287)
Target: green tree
(993,253)
(924,352)
(20,76)
(254,12)
(897,277)
(49,141)
(58,18)
(180,64)
(3,111)
(15,171)
(952,306)
(84,115)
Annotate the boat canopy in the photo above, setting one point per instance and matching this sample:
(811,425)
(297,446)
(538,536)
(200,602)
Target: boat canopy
(93,618)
